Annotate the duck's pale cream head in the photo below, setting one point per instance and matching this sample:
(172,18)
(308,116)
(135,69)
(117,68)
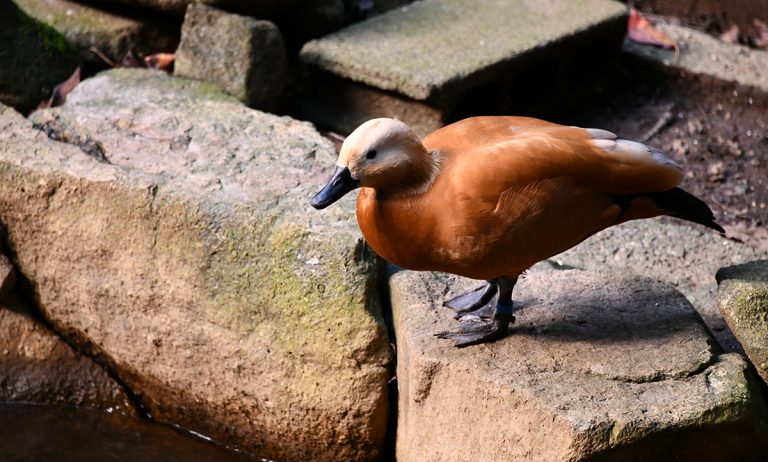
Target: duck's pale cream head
(383,154)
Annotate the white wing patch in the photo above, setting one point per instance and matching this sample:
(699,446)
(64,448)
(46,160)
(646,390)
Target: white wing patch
(630,152)
(599,134)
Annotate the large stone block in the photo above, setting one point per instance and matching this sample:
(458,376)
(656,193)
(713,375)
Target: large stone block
(435,47)
(172,235)
(242,55)
(742,297)
(597,367)
(438,51)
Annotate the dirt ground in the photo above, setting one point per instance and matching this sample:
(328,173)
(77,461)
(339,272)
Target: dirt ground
(719,133)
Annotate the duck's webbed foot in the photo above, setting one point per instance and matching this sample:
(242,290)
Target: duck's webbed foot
(476,332)
(473,300)
(473,329)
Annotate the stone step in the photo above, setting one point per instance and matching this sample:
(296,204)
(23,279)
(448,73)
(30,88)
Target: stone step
(433,52)
(172,234)
(597,367)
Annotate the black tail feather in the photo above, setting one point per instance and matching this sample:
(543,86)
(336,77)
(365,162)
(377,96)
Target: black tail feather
(686,206)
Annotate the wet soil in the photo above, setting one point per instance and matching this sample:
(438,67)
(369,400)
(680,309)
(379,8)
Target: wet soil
(38,433)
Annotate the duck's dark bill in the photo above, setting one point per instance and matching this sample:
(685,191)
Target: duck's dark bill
(340,183)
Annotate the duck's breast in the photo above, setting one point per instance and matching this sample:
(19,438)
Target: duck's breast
(400,229)
(442,229)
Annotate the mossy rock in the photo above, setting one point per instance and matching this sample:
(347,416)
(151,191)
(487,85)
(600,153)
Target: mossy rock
(35,58)
(188,257)
(113,33)
(742,297)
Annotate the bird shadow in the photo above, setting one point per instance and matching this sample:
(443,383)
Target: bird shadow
(597,319)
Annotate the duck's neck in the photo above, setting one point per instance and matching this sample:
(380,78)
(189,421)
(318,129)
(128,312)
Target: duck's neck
(422,170)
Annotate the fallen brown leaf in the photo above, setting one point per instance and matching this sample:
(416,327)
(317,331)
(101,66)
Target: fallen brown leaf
(640,30)
(161,61)
(61,91)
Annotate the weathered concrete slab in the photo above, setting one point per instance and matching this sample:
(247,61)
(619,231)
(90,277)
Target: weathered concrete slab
(87,26)
(597,367)
(436,47)
(702,54)
(742,297)
(422,62)
(173,236)
(687,257)
(242,55)
(36,366)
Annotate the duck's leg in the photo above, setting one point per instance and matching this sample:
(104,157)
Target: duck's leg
(473,333)
(472,300)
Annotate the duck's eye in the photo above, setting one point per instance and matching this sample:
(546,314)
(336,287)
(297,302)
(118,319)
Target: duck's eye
(371,154)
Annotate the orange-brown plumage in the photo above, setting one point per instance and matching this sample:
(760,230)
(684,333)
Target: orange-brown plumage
(488,197)
(510,192)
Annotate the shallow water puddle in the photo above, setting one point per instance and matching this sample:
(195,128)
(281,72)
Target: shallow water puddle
(37,433)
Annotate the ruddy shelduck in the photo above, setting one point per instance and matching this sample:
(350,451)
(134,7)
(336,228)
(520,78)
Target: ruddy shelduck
(488,197)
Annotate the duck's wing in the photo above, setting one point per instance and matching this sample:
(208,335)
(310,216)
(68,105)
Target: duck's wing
(596,159)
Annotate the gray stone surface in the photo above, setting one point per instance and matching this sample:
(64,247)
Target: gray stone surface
(242,55)
(598,367)
(87,26)
(433,48)
(7,276)
(702,54)
(36,366)
(668,250)
(742,297)
(173,236)
(35,59)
